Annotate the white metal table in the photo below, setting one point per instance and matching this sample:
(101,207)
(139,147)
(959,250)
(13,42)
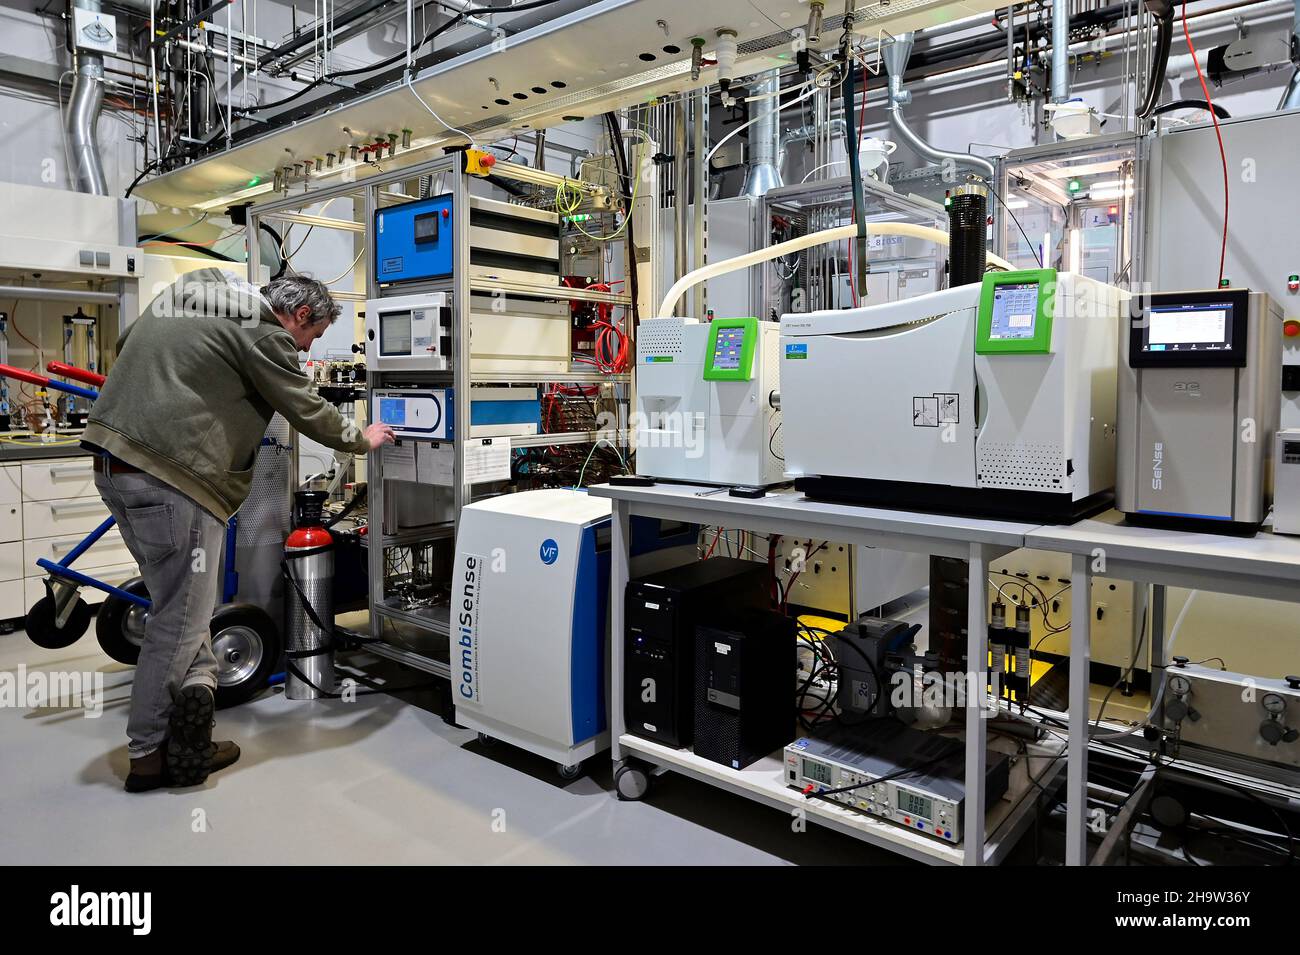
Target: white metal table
(1265,565)
(789,513)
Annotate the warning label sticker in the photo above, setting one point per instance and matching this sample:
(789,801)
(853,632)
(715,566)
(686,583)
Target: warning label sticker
(932,411)
(949,408)
(925,412)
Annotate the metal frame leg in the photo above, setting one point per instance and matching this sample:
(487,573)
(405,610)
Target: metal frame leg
(977,653)
(1076,806)
(620,543)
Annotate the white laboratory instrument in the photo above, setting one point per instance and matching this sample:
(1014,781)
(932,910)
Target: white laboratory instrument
(417,412)
(990,398)
(1286,482)
(529,622)
(409,332)
(707,396)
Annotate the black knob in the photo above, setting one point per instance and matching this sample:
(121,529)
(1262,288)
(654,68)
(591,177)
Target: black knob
(1291,736)
(1176,710)
(1181,661)
(1292,681)
(1272,732)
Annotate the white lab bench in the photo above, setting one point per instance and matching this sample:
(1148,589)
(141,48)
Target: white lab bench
(787,512)
(1264,566)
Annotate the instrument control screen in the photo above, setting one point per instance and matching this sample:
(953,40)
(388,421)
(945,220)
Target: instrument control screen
(1196,328)
(392,411)
(395,333)
(1015,312)
(727,351)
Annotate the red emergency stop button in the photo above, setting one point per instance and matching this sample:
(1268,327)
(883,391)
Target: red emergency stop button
(488,160)
(1291,328)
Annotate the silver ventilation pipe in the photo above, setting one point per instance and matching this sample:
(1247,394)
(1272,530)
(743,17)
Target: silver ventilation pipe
(764,136)
(1060,51)
(83,115)
(896,56)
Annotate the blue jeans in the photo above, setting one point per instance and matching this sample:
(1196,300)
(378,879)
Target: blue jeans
(178,546)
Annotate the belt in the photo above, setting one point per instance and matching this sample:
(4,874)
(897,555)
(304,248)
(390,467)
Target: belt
(107,464)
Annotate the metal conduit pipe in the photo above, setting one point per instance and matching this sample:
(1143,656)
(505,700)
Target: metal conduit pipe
(82,117)
(765,137)
(1061,42)
(896,56)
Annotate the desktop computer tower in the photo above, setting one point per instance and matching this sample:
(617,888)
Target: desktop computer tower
(744,696)
(662,611)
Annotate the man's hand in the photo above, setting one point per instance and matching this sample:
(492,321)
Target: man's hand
(379,435)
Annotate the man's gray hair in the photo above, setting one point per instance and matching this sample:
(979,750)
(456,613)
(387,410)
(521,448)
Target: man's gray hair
(288,294)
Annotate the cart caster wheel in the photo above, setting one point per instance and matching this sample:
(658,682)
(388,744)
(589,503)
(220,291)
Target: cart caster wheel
(42,631)
(631,783)
(487,741)
(246,643)
(569,771)
(119,625)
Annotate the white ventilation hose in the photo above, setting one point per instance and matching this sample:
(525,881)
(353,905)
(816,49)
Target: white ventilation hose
(713,270)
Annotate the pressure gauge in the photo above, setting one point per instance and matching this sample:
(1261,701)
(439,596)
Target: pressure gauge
(1180,685)
(1274,704)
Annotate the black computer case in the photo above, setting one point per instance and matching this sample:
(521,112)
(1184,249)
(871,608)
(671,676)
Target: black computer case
(744,686)
(661,613)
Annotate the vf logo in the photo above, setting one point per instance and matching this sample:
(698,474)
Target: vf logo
(549,551)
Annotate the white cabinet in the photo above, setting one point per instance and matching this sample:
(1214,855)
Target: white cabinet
(60,478)
(47,505)
(77,515)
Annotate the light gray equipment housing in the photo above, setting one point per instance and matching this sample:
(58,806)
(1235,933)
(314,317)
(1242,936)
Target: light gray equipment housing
(1199,385)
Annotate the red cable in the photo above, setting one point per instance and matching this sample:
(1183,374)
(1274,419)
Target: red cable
(1223,156)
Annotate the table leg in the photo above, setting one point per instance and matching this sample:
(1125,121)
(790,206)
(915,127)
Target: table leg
(620,544)
(1158,661)
(1076,805)
(977,652)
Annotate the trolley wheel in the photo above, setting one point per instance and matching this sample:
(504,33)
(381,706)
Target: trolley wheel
(119,626)
(246,643)
(487,741)
(569,770)
(42,630)
(631,782)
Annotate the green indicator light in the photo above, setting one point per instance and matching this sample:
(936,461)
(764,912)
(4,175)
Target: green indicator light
(1225,283)
(1075,185)
(254,181)
(578,218)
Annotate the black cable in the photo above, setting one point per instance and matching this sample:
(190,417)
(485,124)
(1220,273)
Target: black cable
(1032,248)
(773,438)
(1163,12)
(1191,104)
(1142,636)
(625,180)
(148,168)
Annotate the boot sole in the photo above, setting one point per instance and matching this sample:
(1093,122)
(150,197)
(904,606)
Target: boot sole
(189,745)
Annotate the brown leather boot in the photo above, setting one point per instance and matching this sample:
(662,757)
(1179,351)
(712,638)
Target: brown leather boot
(147,772)
(227,754)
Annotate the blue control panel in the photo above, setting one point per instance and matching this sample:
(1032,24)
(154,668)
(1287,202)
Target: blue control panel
(414,240)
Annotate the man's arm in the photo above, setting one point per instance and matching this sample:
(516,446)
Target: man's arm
(273,370)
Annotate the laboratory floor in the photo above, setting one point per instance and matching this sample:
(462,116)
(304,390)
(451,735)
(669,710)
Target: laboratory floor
(379,780)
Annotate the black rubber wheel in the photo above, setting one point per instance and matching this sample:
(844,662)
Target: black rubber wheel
(569,771)
(119,626)
(40,627)
(631,782)
(246,643)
